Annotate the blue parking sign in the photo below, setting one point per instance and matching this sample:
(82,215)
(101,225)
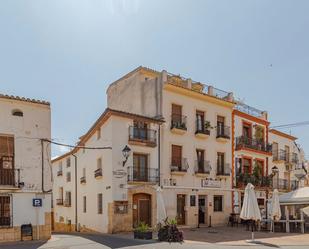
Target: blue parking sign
(37,202)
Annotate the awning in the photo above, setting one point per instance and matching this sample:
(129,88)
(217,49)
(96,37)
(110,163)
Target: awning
(297,197)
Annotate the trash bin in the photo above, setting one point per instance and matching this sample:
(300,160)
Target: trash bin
(26,231)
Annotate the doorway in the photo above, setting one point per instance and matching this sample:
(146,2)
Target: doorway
(202,214)
(141,209)
(181,213)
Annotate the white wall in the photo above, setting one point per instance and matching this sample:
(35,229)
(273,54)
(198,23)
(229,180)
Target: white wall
(27,132)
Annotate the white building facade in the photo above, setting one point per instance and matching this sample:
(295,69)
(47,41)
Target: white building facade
(25,167)
(191,140)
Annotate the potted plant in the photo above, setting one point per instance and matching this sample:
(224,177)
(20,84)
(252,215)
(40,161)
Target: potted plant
(207,127)
(169,232)
(143,231)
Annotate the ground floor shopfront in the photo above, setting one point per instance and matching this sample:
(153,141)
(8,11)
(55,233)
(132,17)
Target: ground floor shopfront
(190,207)
(17,211)
(198,207)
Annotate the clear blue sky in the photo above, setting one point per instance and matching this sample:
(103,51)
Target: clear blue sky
(68,51)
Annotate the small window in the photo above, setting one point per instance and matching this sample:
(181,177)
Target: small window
(68,162)
(68,176)
(17,113)
(100,203)
(84,204)
(218,203)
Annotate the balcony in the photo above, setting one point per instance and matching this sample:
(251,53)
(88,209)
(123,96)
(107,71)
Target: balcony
(223,133)
(202,130)
(294,158)
(202,167)
(223,170)
(67,203)
(243,142)
(141,136)
(98,173)
(59,202)
(83,180)
(281,156)
(259,182)
(147,175)
(7,178)
(179,165)
(5,221)
(281,184)
(178,124)
(59,173)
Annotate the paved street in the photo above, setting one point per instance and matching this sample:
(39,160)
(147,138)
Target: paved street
(195,239)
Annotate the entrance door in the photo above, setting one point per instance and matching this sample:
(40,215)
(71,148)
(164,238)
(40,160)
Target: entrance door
(201,210)
(181,213)
(141,209)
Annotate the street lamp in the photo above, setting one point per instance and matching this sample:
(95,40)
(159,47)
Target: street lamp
(126,153)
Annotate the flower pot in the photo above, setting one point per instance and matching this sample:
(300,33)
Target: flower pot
(143,235)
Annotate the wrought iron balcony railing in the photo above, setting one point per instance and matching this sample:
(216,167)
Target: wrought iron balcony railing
(179,164)
(59,201)
(223,169)
(98,173)
(83,179)
(142,135)
(250,143)
(136,174)
(178,122)
(223,131)
(261,182)
(8,177)
(201,128)
(202,167)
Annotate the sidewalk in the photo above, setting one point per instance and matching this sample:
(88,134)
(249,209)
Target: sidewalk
(238,235)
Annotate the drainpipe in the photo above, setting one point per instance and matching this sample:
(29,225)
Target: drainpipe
(159,154)
(75,164)
(42,156)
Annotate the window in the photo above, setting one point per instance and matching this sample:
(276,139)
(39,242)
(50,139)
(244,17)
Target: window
(275,149)
(99,133)
(5,211)
(218,203)
(246,130)
(246,166)
(192,200)
(260,165)
(100,203)
(220,162)
(140,167)
(60,167)
(200,160)
(200,121)
(68,198)
(68,176)
(17,113)
(7,160)
(68,162)
(99,163)
(176,156)
(84,204)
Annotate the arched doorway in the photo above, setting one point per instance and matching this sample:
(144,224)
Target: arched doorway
(141,209)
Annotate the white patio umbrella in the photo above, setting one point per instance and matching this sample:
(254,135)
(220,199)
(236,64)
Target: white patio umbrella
(275,212)
(250,208)
(161,211)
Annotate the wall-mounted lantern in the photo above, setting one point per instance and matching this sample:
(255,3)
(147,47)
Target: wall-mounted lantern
(126,153)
